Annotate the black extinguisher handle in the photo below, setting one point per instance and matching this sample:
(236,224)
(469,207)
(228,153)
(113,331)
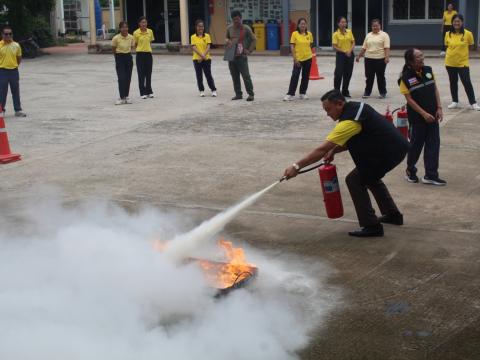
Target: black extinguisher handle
(305,170)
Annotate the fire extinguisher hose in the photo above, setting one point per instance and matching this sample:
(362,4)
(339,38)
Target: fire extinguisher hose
(305,170)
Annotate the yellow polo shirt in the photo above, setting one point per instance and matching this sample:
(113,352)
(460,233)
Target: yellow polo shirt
(303,45)
(123,44)
(343,40)
(375,45)
(457,48)
(343,131)
(201,43)
(143,39)
(447,17)
(8,55)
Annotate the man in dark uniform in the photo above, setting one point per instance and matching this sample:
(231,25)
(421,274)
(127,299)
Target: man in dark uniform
(376,147)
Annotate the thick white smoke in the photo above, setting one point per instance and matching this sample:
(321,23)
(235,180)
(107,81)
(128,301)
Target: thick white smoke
(86,284)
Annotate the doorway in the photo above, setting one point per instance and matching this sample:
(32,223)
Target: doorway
(359,13)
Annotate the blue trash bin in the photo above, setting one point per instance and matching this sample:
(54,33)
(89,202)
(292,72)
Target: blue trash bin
(273,36)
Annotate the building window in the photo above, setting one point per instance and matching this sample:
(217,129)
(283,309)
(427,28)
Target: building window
(417,9)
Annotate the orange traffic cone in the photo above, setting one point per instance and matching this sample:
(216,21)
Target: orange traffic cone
(5,155)
(314,74)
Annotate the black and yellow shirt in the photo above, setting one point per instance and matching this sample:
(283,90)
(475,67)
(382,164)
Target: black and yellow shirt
(201,43)
(8,55)
(343,40)
(143,39)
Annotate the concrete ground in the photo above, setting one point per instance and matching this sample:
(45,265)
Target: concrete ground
(414,294)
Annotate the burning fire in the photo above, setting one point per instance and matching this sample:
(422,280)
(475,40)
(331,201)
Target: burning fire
(226,274)
(222,274)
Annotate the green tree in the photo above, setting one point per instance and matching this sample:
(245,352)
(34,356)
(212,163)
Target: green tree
(28,17)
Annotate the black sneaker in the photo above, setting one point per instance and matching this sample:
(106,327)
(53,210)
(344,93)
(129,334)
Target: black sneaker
(411,177)
(433,181)
(237,97)
(382,96)
(365,95)
(368,231)
(250,98)
(394,219)
(346,94)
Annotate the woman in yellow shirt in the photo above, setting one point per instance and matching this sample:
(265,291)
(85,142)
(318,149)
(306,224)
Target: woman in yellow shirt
(301,47)
(447,24)
(344,43)
(202,61)
(143,38)
(122,46)
(458,41)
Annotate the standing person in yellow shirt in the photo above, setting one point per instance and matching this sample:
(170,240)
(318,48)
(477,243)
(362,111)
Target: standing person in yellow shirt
(447,24)
(344,43)
(301,47)
(376,49)
(10,59)
(458,40)
(202,61)
(143,38)
(122,46)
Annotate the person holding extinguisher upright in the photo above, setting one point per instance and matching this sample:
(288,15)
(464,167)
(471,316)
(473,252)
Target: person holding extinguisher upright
(417,83)
(376,147)
(301,43)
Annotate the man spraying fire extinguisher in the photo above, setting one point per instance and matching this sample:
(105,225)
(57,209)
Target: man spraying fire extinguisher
(376,148)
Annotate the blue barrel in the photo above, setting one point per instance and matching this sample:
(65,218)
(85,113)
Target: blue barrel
(98,15)
(273,36)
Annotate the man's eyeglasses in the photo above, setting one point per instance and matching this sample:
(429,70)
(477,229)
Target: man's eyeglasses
(7,34)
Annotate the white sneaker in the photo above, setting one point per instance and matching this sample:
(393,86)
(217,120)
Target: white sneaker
(119,102)
(202,93)
(303,97)
(151,96)
(453,105)
(288,98)
(144,97)
(442,53)
(475,107)
(127,101)
(214,93)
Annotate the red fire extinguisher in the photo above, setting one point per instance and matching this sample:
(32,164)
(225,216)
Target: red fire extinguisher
(388,115)
(402,122)
(331,191)
(211,7)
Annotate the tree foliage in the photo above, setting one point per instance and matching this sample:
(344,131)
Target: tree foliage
(28,17)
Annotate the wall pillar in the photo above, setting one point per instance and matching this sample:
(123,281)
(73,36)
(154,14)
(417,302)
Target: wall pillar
(91,14)
(184,25)
(285,45)
(112,14)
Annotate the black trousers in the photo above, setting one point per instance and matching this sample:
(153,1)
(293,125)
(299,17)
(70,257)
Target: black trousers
(124,67)
(304,68)
(446,28)
(464,73)
(343,71)
(204,67)
(375,67)
(144,71)
(425,136)
(10,77)
(361,200)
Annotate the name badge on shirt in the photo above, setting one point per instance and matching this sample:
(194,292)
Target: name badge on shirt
(239,49)
(413,81)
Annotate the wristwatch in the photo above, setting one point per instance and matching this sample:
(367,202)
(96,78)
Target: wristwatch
(295,165)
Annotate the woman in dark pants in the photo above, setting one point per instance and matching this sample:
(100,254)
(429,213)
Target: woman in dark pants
(202,61)
(447,24)
(122,46)
(301,47)
(143,38)
(458,42)
(417,83)
(344,43)
(376,49)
